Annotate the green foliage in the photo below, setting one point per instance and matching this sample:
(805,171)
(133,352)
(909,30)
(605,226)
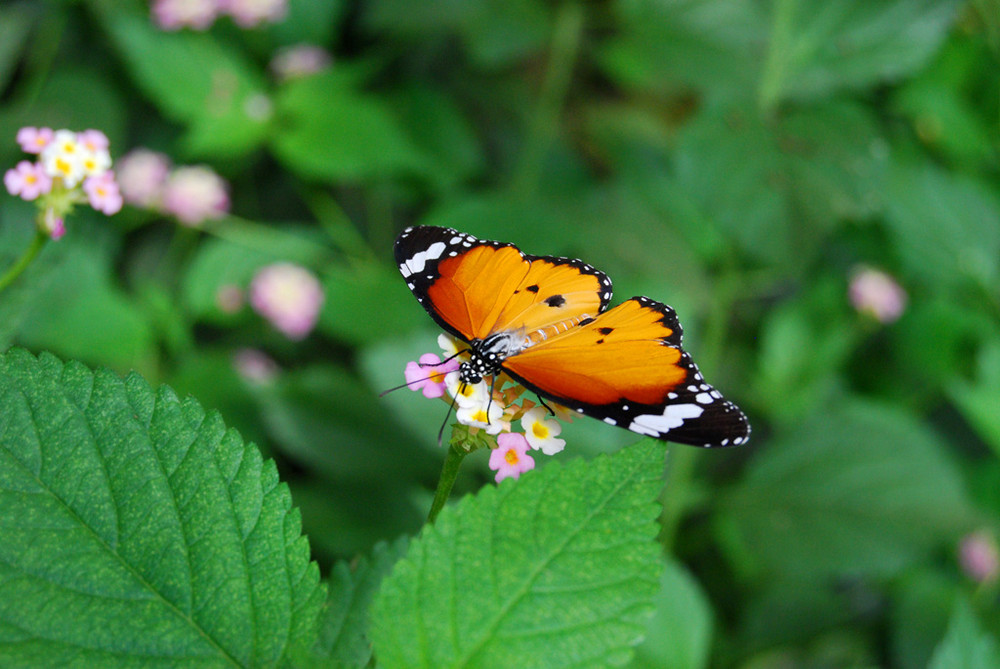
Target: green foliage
(479,588)
(740,160)
(139,529)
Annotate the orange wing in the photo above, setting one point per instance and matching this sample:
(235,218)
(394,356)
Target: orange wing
(474,287)
(626,367)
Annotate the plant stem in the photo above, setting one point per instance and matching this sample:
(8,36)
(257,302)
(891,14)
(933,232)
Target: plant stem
(448,474)
(22,263)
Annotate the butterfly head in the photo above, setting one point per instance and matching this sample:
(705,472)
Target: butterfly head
(487,355)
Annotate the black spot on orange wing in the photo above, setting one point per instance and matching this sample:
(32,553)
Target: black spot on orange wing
(555,300)
(532,288)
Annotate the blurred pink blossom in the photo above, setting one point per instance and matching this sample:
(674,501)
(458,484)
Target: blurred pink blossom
(33,140)
(229,298)
(979,556)
(194,195)
(53,224)
(510,458)
(177,14)
(299,60)
(255,365)
(93,140)
(142,174)
(876,293)
(249,13)
(28,180)
(103,194)
(289,296)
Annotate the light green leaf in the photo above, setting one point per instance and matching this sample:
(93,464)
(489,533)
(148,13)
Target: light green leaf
(965,646)
(138,530)
(819,49)
(343,628)
(679,634)
(978,401)
(195,79)
(556,569)
(944,225)
(859,489)
(327,130)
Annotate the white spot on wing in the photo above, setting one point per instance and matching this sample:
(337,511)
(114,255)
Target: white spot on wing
(703,398)
(419,260)
(673,416)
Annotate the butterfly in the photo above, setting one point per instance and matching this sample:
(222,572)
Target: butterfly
(545,321)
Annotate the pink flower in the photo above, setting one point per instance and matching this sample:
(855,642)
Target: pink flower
(255,366)
(428,374)
(877,294)
(102,193)
(300,60)
(53,225)
(194,195)
(142,175)
(289,297)
(33,140)
(29,180)
(979,556)
(93,140)
(510,458)
(249,13)
(176,14)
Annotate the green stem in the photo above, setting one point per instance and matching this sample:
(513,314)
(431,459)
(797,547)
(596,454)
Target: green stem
(447,480)
(779,55)
(22,263)
(566,38)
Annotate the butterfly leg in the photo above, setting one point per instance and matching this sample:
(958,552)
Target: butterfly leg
(541,400)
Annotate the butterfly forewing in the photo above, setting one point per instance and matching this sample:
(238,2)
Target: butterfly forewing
(475,288)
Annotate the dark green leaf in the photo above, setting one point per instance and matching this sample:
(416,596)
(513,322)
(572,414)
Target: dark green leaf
(679,634)
(859,489)
(138,530)
(343,628)
(556,569)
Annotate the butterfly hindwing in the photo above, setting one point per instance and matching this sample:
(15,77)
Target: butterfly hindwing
(626,367)
(475,287)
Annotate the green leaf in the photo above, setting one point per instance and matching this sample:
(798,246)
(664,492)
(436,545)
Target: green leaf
(816,50)
(197,80)
(713,45)
(555,569)
(978,401)
(944,225)
(965,646)
(859,489)
(326,130)
(679,634)
(139,530)
(351,290)
(15,27)
(343,627)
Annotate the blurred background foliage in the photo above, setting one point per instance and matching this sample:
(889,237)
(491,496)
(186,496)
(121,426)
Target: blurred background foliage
(741,160)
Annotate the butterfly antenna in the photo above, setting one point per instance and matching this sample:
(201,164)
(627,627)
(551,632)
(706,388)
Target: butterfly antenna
(404,385)
(489,403)
(451,408)
(541,400)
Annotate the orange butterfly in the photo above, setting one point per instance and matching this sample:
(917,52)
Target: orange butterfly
(545,322)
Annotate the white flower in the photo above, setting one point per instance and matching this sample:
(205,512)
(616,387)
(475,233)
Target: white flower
(486,416)
(541,431)
(466,394)
(64,158)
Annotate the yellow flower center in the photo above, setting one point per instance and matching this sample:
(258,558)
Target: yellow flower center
(481,416)
(63,166)
(511,456)
(540,430)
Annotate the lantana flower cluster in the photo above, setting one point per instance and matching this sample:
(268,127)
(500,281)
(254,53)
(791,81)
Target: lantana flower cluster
(490,415)
(201,14)
(72,167)
(192,194)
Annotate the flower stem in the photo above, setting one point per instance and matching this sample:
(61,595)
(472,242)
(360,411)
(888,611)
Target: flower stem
(22,263)
(448,474)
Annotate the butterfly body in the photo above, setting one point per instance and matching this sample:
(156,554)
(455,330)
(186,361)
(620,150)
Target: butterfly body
(545,321)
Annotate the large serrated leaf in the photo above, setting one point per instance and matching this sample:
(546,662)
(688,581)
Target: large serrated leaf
(137,530)
(556,569)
